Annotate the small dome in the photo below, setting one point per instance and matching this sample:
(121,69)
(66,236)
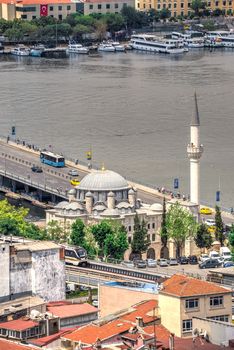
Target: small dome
(99,207)
(156,207)
(111,194)
(88,194)
(110,213)
(103,180)
(123,205)
(131,191)
(61,205)
(74,206)
(72,192)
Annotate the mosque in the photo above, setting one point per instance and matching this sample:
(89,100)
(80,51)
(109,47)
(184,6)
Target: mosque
(105,194)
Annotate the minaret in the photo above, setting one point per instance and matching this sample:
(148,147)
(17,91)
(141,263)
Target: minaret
(194,151)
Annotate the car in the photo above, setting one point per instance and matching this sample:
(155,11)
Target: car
(210,263)
(141,264)
(162,262)
(210,222)
(193,259)
(228,264)
(95,302)
(203,257)
(206,211)
(36,169)
(172,262)
(127,264)
(211,229)
(183,260)
(151,262)
(73,172)
(74,182)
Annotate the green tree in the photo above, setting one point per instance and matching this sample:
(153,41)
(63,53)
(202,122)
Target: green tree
(203,237)
(116,242)
(164,233)
(80,29)
(100,232)
(34,232)
(78,233)
(140,242)
(90,243)
(114,22)
(164,14)
(180,225)
(198,5)
(131,17)
(219,226)
(9,226)
(55,232)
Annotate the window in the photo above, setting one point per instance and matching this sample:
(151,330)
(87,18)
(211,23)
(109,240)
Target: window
(182,13)
(129,240)
(148,226)
(51,16)
(182,5)
(144,6)
(216,301)
(60,8)
(107,6)
(148,238)
(175,5)
(33,17)
(60,17)
(222,318)
(25,9)
(150,6)
(99,6)
(124,4)
(164,6)
(209,4)
(117,6)
(138,5)
(68,7)
(216,3)
(153,237)
(189,4)
(191,303)
(224,3)
(51,8)
(153,224)
(90,7)
(159,6)
(230,3)
(187,326)
(24,16)
(175,14)
(129,228)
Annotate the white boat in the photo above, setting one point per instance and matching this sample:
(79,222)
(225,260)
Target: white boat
(196,43)
(118,47)
(213,39)
(225,37)
(151,43)
(20,51)
(77,48)
(106,47)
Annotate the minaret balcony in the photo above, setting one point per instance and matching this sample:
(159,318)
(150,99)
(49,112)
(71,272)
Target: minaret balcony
(194,152)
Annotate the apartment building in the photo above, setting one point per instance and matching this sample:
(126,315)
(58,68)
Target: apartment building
(182,298)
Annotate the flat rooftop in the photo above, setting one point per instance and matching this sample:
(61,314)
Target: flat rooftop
(135,286)
(34,246)
(20,304)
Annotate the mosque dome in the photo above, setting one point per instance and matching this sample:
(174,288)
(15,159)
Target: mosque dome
(72,192)
(156,207)
(103,180)
(62,205)
(110,213)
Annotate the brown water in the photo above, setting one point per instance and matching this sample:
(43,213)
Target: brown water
(134,110)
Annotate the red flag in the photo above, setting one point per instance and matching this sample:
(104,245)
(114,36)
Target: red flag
(43,10)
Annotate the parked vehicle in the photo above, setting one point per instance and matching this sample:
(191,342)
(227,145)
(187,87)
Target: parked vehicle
(205,211)
(210,263)
(151,262)
(210,222)
(141,264)
(95,302)
(36,169)
(162,262)
(183,260)
(193,259)
(203,257)
(73,172)
(172,262)
(228,264)
(214,255)
(225,253)
(127,264)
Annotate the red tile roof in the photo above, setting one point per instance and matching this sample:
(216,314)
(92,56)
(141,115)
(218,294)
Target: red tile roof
(184,286)
(36,2)
(65,311)
(18,325)
(10,345)
(90,333)
(49,339)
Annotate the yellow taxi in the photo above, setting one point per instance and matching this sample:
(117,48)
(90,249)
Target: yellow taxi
(211,229)
(75,182)
(206,211)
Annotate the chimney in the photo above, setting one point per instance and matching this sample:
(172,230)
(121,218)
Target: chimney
(132,197)
(139,322)
(172,341)
(89,202)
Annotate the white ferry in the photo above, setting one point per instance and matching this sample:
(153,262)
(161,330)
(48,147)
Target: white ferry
(213,39)
(194,43)
(20,51)
(106,47)
(151,43)
(77,48)
(225,37)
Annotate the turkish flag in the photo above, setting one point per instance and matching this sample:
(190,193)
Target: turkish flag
(43,10)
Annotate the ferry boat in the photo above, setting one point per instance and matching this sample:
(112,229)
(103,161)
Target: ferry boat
(225,37)
(20,51)
(118,47)
(151,43)
(194,43)
(78,48)
(213,39)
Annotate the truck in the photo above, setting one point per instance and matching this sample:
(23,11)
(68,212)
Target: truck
(225,253)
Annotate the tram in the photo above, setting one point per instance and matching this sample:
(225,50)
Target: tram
(75,256)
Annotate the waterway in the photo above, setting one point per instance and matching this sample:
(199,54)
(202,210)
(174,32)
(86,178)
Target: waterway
(133,109)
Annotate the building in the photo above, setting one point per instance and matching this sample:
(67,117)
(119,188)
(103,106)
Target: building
(181,298)
(60,9)
(182,7)
(104,194)
(32,268)
(71,314)
(10,345)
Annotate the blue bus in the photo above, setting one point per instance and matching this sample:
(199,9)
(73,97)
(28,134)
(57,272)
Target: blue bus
(52,159)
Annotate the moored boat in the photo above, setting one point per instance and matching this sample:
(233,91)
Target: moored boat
(151,43)
(105,47)
(54,53)
(77,48)
(20,51)
(37,50)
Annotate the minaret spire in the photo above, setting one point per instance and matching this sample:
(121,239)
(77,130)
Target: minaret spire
(194,151)
(195,121)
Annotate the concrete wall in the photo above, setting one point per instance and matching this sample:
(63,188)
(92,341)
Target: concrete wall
(48,275)
(113,299)
(169,309)
(219,333)
(4,268)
